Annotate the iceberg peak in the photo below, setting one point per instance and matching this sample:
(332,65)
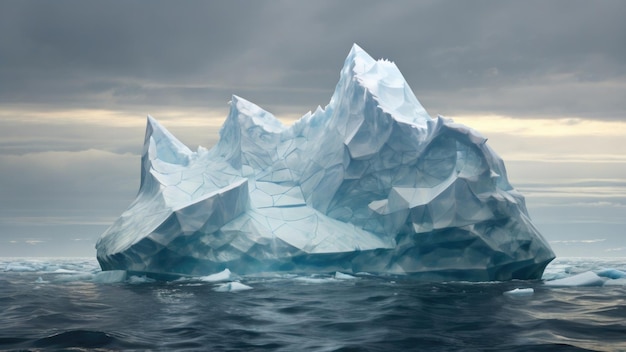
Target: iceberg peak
(370,183)
(380,83)
(162,145)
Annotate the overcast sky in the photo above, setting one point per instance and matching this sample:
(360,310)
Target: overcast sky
(545,81)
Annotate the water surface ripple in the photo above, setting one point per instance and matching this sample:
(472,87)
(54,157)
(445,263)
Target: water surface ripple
(58,306)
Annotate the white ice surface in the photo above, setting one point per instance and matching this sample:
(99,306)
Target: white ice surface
(111,276)
(342,276)
(232,287)
(588,278)
(369,183)
(224,275)
(615,282)
(520,292)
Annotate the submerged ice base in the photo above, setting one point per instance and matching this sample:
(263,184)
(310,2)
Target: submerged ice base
(371,183)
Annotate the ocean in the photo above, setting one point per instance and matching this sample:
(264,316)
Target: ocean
(62,304)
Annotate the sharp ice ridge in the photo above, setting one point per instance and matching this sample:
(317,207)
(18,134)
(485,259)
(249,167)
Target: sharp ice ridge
(369,183)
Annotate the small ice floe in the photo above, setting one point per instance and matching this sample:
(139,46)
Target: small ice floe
(223,275)
(616,282)
(232,287)
(73,277)
(611,273)
(19,267)
(342,276)
(520,292)
(110,276)
(41,281)
(140,279)
(588,278)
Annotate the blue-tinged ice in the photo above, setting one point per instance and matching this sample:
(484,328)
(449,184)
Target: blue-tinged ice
(370,183)
(110,276)
(588,278)
(611,273)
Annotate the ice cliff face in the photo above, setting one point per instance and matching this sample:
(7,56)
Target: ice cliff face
(371,183)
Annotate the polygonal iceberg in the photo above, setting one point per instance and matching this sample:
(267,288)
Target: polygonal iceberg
(371,183)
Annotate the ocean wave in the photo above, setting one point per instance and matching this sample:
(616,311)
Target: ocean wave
(58,304)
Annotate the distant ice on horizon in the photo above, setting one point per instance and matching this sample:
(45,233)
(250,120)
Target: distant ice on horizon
(606,272)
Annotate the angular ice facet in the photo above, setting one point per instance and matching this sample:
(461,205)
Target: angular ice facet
(370,183)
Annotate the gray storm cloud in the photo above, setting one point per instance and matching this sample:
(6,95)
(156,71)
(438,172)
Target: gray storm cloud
(465,57)
(78,78)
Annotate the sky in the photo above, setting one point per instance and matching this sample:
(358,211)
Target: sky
(545,81)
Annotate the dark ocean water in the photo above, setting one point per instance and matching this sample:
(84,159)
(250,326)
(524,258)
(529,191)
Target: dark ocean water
(57,304)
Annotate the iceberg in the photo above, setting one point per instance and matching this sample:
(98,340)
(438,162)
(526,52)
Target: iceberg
(370,183)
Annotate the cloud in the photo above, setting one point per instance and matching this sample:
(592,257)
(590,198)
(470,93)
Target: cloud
(543,127)
(36,131)
(578,241)
(33,242)
(51,185)
(47,221)
(618,249)
(565,201)
(544,81)
(514,58)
